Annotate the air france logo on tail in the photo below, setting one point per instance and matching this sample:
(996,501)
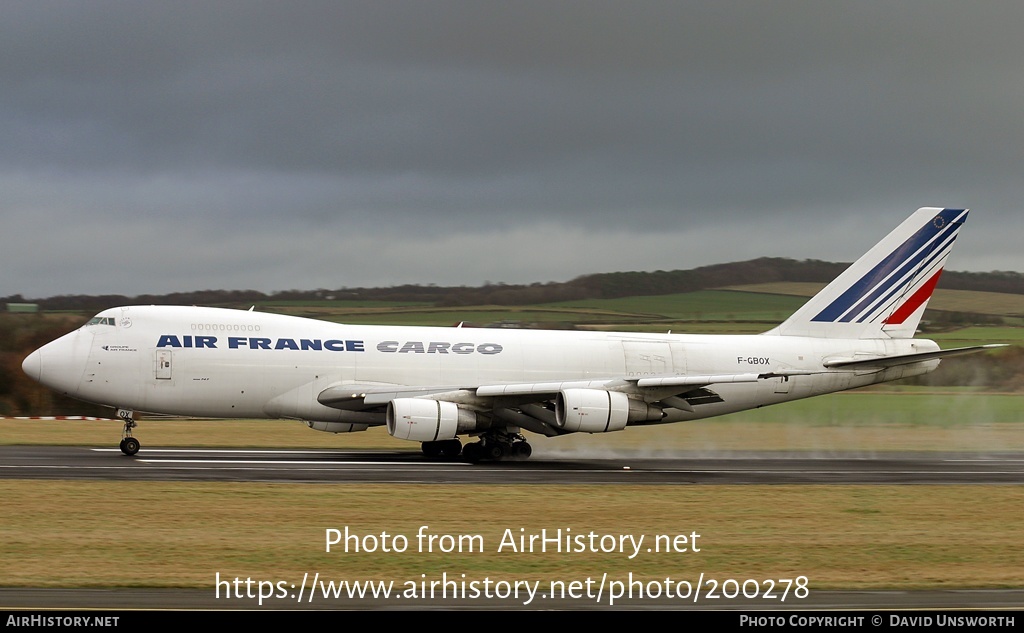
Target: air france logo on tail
(898,285)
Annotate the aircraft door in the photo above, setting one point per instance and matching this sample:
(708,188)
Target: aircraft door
(163,364)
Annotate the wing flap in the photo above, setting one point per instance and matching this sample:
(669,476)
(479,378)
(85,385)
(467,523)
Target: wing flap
(540,388)
(695,381)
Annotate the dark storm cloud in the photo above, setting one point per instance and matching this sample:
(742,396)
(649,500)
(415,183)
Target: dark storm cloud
(284,145)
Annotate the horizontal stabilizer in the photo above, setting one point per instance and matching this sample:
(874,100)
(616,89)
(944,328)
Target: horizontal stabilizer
(907,359)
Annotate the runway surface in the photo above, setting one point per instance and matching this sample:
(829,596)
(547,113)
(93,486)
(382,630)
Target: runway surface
(330,466)
(622,467)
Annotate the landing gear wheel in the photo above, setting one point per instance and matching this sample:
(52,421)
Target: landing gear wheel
(473,453)
(451,448)
(521,450)
(496,451)
(130,446)
(431,449)
(448,449)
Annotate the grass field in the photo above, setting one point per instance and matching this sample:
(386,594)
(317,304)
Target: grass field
(710,305)
(977,302)
(979,336)
(161,534)
(656,313)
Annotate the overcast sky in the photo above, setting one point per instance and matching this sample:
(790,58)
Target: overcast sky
(152,147)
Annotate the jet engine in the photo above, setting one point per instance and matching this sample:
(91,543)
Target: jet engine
(600,411)
(422,420)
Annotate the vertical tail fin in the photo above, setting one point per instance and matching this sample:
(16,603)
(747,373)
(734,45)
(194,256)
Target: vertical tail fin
(884,293)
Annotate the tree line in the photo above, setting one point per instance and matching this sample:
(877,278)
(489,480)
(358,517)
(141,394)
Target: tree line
(595,286)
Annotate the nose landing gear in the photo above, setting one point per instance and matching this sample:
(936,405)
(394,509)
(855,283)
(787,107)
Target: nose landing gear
(129,445)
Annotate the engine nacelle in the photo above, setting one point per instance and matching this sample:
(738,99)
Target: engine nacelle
(600,411)
(422,420)
(336,427)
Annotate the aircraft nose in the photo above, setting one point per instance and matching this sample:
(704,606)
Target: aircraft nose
(59,364)
(33,365)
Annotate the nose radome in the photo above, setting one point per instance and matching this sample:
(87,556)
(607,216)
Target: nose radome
(59,364)
(33,365)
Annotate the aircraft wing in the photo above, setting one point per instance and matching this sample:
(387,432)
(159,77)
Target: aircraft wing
(361,397)
(554,407)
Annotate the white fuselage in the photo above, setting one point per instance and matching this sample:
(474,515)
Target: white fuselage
(213,362)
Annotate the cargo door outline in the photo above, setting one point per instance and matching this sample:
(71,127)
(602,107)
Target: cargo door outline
(647,358)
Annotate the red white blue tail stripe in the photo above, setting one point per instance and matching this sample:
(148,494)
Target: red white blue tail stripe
(884,293)
(903,281)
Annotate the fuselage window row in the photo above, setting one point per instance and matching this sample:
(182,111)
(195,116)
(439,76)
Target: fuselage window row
(225,327)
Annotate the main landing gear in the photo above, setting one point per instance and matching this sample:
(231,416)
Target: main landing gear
(448,449)
(493,446)
(129,445)
(496,446)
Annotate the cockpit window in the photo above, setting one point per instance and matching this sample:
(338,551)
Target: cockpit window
(101,321)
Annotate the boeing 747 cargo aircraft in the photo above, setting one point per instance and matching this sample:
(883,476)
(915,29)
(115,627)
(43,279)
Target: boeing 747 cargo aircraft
(432,385)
